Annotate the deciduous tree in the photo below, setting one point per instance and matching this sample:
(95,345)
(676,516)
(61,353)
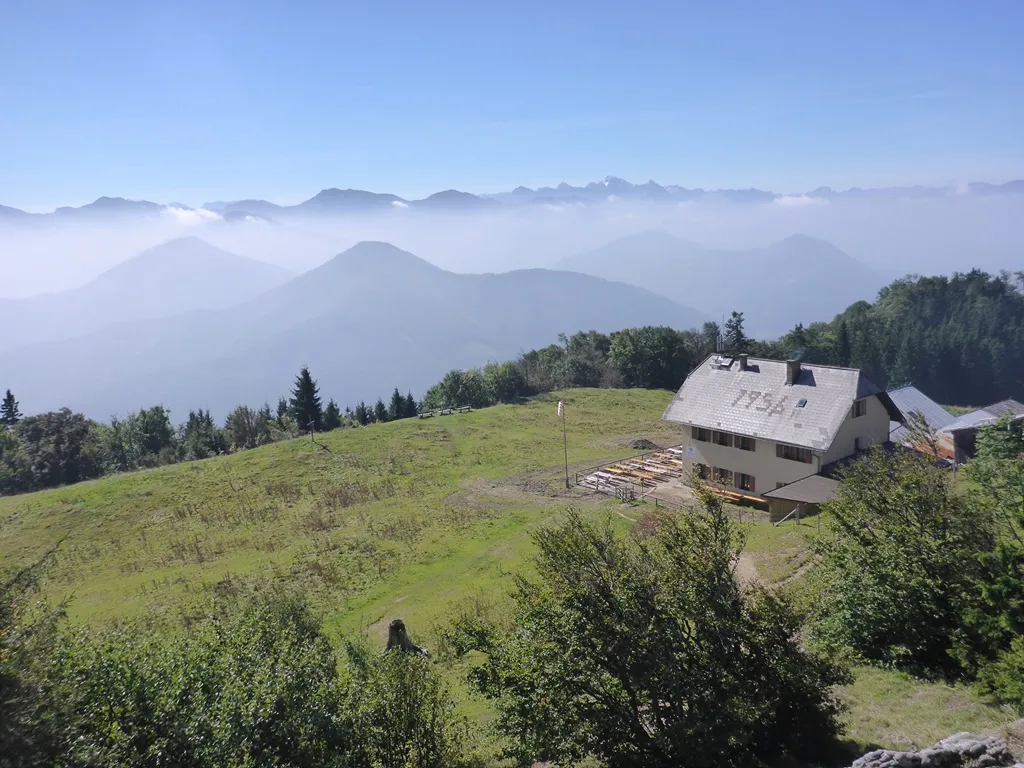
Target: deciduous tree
(615,642)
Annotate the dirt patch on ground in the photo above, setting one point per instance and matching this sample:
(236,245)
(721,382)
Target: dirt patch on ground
(543,486)
(644,445)
(746,571)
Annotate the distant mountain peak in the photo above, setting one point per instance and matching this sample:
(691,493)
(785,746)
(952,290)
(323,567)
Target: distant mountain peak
(375,252)
(455,199)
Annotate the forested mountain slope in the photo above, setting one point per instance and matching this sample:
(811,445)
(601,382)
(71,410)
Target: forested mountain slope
(960,339)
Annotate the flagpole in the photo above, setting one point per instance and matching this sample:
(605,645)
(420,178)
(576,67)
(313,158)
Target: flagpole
(565,448)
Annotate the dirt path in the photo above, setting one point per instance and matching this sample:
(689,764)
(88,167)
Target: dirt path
(746,571)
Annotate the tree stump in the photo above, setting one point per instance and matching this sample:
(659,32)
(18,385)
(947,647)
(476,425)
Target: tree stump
(399,638)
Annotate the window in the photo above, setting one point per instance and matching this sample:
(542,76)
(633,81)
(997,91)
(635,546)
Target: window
(793,453)
(704,435)
(745,443)
(703,471)
(723,476)
(801,402)
(745,482)
(860,407)
(723,438)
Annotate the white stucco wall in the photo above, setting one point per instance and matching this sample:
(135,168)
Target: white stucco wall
(767,469)
(873,426)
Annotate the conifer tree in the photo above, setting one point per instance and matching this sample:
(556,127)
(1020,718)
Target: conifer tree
(397,408)
(305,405)
(9,413)
(282,411)
(410,406)
(332,416)
(380,411)
(362,414)
(844,351)
(266,414)
(735,339)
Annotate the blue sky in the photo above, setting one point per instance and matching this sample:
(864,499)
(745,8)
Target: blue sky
(223,100)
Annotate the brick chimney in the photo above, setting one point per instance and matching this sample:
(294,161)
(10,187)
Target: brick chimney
(743,361)
(792,372)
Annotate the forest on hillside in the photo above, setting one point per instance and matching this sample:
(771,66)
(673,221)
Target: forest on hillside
(959,339)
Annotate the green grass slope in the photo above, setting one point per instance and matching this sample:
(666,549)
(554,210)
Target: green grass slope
(417,519)
(421,508)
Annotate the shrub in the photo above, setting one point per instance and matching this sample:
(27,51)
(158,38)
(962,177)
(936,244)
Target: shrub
(1003,679)
(901,566)
(404,715)
(27,633)
(258,689)
(645,651)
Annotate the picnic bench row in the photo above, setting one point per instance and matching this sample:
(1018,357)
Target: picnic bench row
(648,471)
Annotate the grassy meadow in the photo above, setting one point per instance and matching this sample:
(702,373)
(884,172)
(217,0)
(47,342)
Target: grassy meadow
(417,519)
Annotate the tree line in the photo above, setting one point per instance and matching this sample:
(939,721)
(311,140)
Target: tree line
(62,447)
(960,339)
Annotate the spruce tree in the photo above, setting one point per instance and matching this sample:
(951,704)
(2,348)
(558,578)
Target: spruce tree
(410,406)
(362,414)
(305,405)
(380,411)
(332,416)
(397,408)
(282,411)
(9,413)
(844,351)
(735,339)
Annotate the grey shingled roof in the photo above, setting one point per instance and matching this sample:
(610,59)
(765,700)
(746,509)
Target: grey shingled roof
(757,402)
(911,399)
(815,489)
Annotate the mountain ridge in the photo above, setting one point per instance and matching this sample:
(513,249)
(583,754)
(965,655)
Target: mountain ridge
(611,188)
(797,279)
(183,274)
(371,318)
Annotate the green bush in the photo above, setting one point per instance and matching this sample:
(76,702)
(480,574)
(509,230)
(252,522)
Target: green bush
(27,635)
(403,714)
(261,687)
(645,651)
(1003,679)
(901,566)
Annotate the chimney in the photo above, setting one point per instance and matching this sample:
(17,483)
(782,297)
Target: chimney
(743,362)
(792,372)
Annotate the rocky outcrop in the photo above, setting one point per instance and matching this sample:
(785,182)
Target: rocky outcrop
(962,750)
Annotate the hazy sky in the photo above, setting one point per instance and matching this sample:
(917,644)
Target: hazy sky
(195,101)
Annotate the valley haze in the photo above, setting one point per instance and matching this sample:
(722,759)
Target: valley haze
(219,304)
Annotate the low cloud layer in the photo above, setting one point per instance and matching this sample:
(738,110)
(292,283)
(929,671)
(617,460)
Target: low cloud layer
(799,201)
(895,237)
